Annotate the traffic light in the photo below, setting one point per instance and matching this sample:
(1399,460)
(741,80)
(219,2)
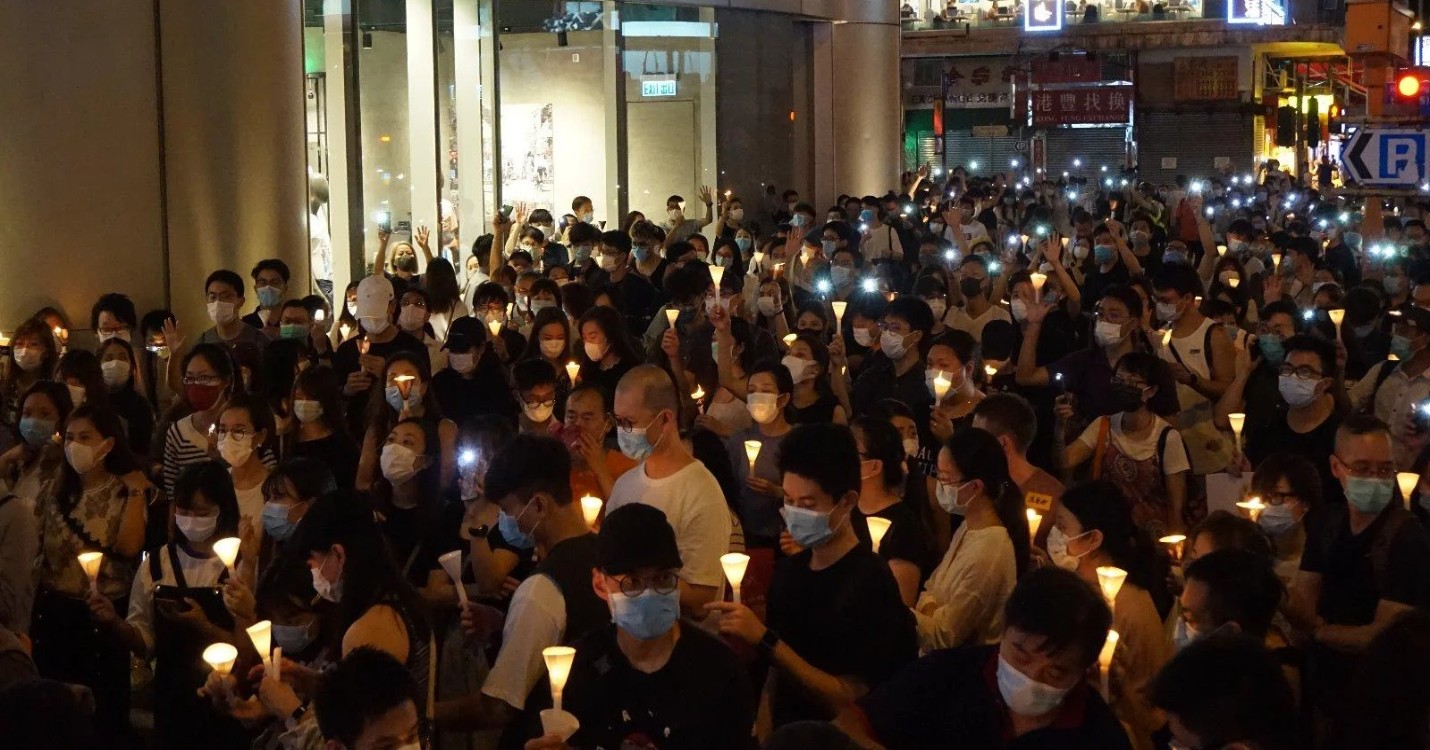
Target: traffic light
(1410,84)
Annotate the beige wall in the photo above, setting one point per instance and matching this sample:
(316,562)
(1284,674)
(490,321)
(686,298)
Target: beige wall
(79,174)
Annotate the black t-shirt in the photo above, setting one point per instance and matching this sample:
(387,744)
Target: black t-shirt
(846,620)
(605,379)
(138,418)
(345,363)
(881,380)
(1350,585)
(486,392)
(1317,446)
(337,451)
(950,698)
(1088,376)
(639,298)
(907,538)
(702,699)
(1098,281)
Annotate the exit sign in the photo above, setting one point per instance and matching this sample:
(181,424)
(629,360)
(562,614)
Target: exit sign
(664,87)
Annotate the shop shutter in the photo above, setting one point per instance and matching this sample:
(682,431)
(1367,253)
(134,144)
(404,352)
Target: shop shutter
(1195,139)
(993,155)
(1095,147)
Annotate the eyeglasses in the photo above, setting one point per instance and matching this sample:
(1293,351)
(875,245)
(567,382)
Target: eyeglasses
(628,425)
(202,380)
(237,433)
(1367,469)
(661,583)
(1304,372)
(1130,383)
(1280,498)
(541,404)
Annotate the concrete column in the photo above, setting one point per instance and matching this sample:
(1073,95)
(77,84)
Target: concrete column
(865,110)
(234,156)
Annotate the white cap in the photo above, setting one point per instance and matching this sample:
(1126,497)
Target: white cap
(373,295)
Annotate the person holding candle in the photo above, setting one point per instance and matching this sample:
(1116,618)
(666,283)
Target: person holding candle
(475,381)
(176,609)
(1094,529)
(1010,419)
(358,362)
(1029,689)
(594,467)
(1203,365)
(606,354)
(408,395)
(320,433)
(535,384)
(32,358)
(209,380)
(907,546)
(649,677)
(416,521)
(242,434)
(1255,389)
(951,362)
(769,393)
(550,342)
(836,626)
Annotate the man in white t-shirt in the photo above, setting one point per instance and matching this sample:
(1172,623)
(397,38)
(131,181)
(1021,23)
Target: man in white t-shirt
(669,478)
(320,243)
(974,285)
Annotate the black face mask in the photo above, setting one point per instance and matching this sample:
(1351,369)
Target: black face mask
(1126,397)
(971,287)
(406,263)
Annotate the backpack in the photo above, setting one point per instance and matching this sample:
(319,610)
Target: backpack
(1387,368)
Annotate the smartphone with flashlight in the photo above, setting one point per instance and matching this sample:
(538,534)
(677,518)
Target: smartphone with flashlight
(506,210)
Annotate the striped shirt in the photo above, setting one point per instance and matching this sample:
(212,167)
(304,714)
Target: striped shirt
(185,445)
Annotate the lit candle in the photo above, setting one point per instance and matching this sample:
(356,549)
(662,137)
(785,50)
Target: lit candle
(591,509)
(716,274)
(1238,421)
(1276,261)
(1065,243)
(752,451)
(878,527)
(990,371)
(697,394)
(1167,336)
(452,563)
(494,325)
(789,339)
(759,258)
(1337,316)
(1111,580)
(1174,545)
(59,333)
(1221,249)
(558,668)
(1035,520)
(1233,282)
(91,562)
(404,384)
(734,564)
(227,551)
(1038,279)
(320,315)
(1393,357)
(1104,662)
(839,308)
(221,656)
(1253,507)
(1197,300)
(1407,481)
(572,369)
(941,384)
(4,339)
(261,633)
(670,315)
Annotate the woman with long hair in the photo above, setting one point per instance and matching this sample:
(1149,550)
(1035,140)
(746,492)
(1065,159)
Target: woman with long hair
(209,381)
(26,468)
(606,353)
(79,371)
(243,434)
(444,296)
(962,602)
(123,383)
(1094,529)
(550,340)
(32,357)
(907,546)
(321,434)
(408,395)
(816,399)
(416,519)
(87,507)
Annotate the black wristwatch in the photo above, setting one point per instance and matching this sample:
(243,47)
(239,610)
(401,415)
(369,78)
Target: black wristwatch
(296,718)
(769,641)
(479,532)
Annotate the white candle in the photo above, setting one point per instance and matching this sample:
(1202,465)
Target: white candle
(1221,250)
(1038,280)
(1276,261)
(735,564)
(1407,481)
(558,668)
(1238,421)
(752,451)
(839,308)
(670,315)
(1111,580)
(227,551)
(91,562)
(221,656)
(1035,520)
(591,509)
(404,384)
(1104,662)
(941,384)
(261,633)
(1253,507)
(452,563)
(1336,317)
(494,325)
(716,274)
(878,528)
(789,339)
(572,369)
(1174,544)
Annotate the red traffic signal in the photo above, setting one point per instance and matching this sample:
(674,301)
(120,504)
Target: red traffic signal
(1410,84)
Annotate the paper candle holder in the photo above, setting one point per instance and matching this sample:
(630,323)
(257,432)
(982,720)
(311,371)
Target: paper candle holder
(1110,579)
(91,563)
(1253,507)
(1035,520)
(221,656)
(878,528)
(752,451)
(1038,279)
(1408,481)
(451,562)
(572,370)
(227,551)
(558,668)
(591,509)
(735,564)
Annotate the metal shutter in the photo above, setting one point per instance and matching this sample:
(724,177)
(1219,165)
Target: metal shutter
(1095,147)
(1195,139)
(992,154)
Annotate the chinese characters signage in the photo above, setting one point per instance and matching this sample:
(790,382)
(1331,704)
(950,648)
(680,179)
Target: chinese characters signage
(1100,105)
(978,82)
(1204,79)
(1043,15)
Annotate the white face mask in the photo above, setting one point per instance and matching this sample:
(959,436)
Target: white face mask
(28,359)
(221,312)
(939,307)
(1107,333)
(607,261)
(115,371)
(76,395)
(594,352)
(892,342)
(82,458)
(399,463)
(553,348)
(326,589)
(1019,309)
(539,413)
(236,452)
(1024,695)
(196,529)
(375,325)
(463,363)
(911,447)
(1058,549)
(863,337)
(764,407)
(800,370)
(307,411)
(411,319)
(767,307)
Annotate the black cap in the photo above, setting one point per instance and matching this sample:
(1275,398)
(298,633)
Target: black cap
(1411,314)
(465,333)
(636,536)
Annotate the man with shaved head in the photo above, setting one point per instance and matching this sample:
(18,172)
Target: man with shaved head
(647,412)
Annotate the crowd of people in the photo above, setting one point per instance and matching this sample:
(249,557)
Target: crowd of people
(995,461)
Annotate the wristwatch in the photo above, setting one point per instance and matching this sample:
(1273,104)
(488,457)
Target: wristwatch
(769,641)
(296,718)
(479,532)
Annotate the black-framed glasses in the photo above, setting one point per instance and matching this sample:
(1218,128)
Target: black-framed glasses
(202,380)
(237,433)
(1304,372)
(663,582)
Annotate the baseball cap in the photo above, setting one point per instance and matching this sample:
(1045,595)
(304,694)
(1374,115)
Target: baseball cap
(464,334)
(636,536)
(374,293)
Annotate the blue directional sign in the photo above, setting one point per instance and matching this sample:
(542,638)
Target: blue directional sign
(1391,156)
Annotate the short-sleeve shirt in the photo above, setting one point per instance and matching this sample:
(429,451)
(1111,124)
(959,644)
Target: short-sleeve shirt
(695,506)
(959,320)
(1174,454)
(846,620)
(1350,590)
(907,538)
(247,334)
(1088,376)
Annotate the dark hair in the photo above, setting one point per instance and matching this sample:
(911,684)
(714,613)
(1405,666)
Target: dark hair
(39,712)
(530,464)
(1230,531)
(617,241)
(280,368)
(211,478)
(136,375)
(310,478)
(440,279)
(1226,689)
(1100,505)
(225,276)
(359,689)
(1127,296)
(271,264)
(219,359)
(1009,414)
(882,442)
(709,449)
(824,454)
(116,304)
(1155,371)
(545,318)
(613,326)
(1061,607)
(964,346)
(529,373)
(259,414)
(119,461)
(83,365)
(56,392)
(1324,350)
(1297,470)
(381,417)
(979,456)
(488,292)
(1242,587)
(321,384)
(41,331)
(915,312)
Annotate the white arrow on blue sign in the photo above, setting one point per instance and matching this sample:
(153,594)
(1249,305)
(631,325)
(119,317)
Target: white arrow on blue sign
(1387,157)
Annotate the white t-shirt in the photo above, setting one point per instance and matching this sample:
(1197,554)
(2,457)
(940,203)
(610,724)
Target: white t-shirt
(199,572)
(1174,456)
(882,242)
(695,506)
(972,231)
(535,620)
(320,245)
(958,319)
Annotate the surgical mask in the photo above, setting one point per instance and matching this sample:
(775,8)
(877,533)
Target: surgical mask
(1102,254)
(829,247)
(511,530)
(462,363)
(1080,252)
(1058,549)
(711,303)
(307,410)
(863,337)
(375,325)
(1400,347)
(841,275)
(1172,257)
(196,529)
(635,442)
(1236,246)
(1393,285)
(268,296)
(580,254)
(1024,695)
(1369,495)
(28,358)
(892,343)
(1168,312)
(764,407)
(115,372)
(608,261)
(743,243)
(553,348)
(737,215)
(276,523)
(399,463)
(1272,348)
(810,528)
(235,451)
(36,432)
(293,639)
(1138,237)
(1019,308)
(411,319)
(1184,635)
(351,307)
(798,220)
(220,312)
(1108,334)
(395,400)
(971,287)
(938,307)
(800,370)
(911,447)
(295,331)
(641,252)
(539,413)
(588,217)
(767,307)
(936,227)
(76,394)
(1362,331)
(1297,391)
(326,589)
(1227,276)
(594,351)
(947,496)
(646,616)
(81,457)
(1276,520)
(1126,397)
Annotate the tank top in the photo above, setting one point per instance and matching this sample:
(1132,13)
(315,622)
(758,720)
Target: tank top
(1210,450)
(733,413)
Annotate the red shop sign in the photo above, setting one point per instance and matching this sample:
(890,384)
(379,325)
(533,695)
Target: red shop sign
(1066,69)
(1100,105)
